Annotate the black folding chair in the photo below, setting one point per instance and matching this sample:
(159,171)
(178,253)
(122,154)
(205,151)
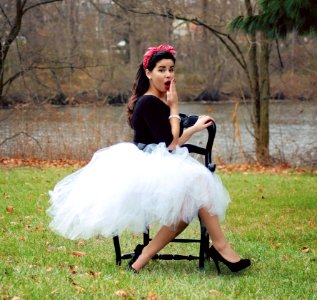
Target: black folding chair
(187,121)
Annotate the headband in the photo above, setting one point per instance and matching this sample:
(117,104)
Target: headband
(153,50)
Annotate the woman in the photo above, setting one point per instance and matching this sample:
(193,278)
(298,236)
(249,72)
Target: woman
(153,114)
(129,186)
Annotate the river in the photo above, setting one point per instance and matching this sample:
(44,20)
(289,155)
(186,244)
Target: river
(65,132)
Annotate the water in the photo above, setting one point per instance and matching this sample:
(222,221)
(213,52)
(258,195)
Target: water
(50,132)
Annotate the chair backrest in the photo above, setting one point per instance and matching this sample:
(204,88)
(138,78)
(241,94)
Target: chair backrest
(188,121)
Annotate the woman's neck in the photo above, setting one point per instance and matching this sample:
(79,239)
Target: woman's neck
(157,94)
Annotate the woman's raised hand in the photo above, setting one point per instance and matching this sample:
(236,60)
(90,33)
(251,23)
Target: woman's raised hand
(202,123)
(171,95)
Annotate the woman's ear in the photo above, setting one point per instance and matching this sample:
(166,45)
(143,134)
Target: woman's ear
(148,74)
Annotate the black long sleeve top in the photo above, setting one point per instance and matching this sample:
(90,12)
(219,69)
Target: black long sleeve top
(150,121)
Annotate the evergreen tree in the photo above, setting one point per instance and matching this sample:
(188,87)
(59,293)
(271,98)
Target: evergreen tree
(278,17)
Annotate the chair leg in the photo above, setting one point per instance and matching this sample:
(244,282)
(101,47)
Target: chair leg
(204,243)
(146,237)
(117,248)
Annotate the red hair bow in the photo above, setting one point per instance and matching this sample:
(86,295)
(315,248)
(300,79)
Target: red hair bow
(152,50)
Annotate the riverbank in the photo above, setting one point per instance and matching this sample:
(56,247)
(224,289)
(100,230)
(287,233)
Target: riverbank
(227,168)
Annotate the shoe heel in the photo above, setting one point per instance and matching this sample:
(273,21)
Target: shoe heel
(217,265)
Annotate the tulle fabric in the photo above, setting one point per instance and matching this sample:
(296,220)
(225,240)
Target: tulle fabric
(123,188)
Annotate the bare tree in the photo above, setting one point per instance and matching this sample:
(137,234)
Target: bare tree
(11,15)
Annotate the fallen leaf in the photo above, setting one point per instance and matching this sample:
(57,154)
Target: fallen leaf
(78,253)
(80,289)
(77,286)
(73,269)
(94,274)
(277,245)
(10,208)
(286,257)
(152,296)
(121,293)
(38,228)
(49,268)
(214,292)
(81,243)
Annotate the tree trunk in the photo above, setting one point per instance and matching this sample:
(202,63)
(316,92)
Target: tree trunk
(1,75)
(7,41)
(263,151)
(255,87)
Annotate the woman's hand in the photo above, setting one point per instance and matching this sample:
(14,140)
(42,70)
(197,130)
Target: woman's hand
(171,96)
(202,123)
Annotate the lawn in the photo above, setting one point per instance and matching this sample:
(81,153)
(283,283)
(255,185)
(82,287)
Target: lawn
(272,219)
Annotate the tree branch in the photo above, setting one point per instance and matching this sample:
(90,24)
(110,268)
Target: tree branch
(38,4)
(5,15)
(98,9)
(21,133)
(220,35)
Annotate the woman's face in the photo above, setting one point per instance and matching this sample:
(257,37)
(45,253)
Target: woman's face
(161,76)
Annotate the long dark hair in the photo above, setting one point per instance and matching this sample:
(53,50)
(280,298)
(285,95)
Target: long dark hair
(142,83)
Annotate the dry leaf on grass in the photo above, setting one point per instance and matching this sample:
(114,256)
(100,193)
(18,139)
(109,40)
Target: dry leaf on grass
(152,296)
(78,253)
(80,289)
(49,268)
(77,286)
(215,292)
(94,274)
(121,293)
(72,269)
(10,208)
(81,243)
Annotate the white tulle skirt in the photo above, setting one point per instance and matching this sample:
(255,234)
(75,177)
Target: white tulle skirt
(123,187)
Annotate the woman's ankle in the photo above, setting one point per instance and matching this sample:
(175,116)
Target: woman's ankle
(226,251)
(220,245)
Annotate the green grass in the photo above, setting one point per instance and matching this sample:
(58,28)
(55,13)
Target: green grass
(272,219)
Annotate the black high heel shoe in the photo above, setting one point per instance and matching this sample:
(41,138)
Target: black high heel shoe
(137,252)
(233,267)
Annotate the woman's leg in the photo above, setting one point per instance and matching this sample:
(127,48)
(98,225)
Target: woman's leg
(161,239)
(166,234)
(217,236)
